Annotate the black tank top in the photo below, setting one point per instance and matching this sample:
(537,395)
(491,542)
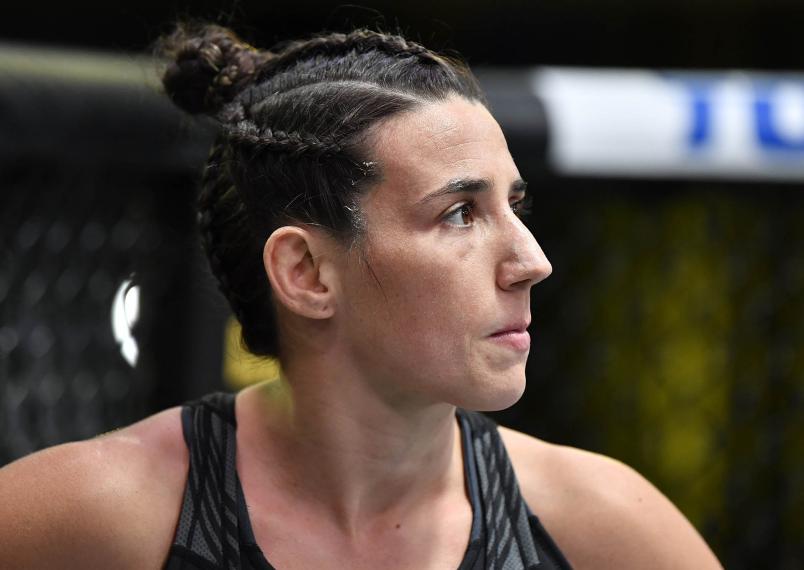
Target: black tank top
(214,530)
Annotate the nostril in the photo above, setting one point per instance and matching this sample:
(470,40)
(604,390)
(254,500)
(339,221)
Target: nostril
(523,284)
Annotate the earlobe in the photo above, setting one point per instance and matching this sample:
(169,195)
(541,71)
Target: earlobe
(293,258)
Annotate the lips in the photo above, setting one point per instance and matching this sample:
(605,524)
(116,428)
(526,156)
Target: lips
(514,336)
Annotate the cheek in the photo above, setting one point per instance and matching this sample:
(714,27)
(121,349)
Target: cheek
(434,298)
(426,325)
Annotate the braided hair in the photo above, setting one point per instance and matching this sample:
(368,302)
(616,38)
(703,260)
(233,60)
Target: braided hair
(291,145)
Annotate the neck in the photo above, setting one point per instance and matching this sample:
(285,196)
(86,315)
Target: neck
(336,445)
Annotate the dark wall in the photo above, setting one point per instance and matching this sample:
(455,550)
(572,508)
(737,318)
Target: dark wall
(757,34)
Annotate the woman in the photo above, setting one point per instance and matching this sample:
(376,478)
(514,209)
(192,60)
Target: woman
(360,210)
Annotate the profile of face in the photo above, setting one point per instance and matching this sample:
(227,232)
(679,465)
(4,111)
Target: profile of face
(436,305)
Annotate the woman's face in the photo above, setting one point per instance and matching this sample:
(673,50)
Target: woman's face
(437,308)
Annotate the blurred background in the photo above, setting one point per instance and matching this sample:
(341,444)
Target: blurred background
(664,143)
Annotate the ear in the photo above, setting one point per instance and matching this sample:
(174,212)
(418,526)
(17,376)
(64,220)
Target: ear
(295,260)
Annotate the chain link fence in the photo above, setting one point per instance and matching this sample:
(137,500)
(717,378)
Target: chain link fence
(669,336)
(97,182)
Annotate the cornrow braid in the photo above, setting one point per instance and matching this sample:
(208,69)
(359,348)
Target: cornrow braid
(294,145)
(361,41)
(225,231)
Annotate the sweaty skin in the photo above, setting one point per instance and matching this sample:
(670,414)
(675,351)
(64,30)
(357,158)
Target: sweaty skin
(353,456)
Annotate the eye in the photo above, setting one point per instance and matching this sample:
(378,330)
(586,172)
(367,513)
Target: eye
(462,216)
(522,207)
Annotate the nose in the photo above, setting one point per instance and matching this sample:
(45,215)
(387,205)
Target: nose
(523,263)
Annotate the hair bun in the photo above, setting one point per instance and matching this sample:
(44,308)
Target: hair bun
(210,65)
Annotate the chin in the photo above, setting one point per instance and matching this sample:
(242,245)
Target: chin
(494,394)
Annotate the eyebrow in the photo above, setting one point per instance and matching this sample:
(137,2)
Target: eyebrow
(471,185)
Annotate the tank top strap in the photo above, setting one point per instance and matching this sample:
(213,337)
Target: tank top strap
(207,532)
(514,536)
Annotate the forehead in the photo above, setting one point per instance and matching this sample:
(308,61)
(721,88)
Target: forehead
(424,148)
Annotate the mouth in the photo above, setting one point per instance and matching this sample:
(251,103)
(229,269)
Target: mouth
(514,336)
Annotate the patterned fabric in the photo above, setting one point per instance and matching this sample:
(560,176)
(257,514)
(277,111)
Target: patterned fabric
(214,530)
(514,537)
(207,533)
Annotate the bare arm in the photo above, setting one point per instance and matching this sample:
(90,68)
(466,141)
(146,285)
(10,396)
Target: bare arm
(102,503)
(602,513)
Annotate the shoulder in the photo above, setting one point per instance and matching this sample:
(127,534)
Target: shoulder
(602,513)
(112,501)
